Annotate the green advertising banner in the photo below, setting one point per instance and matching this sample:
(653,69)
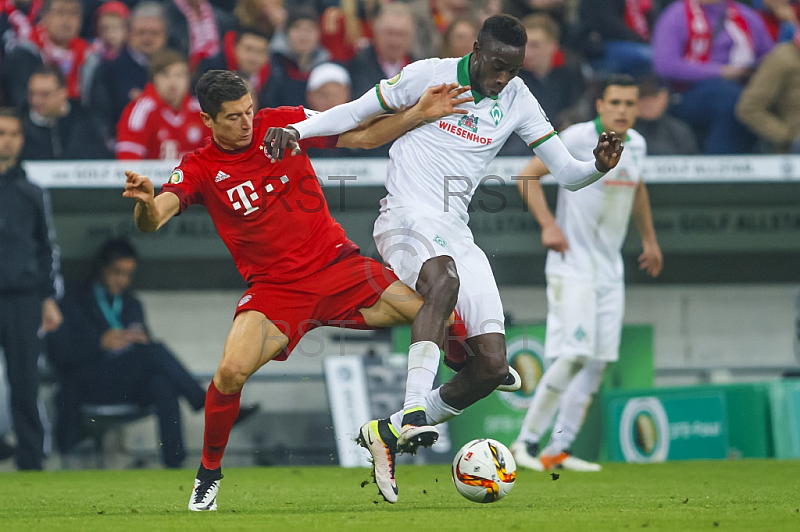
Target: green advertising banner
(692,422)
(676,426)
(500,415)
(784,397)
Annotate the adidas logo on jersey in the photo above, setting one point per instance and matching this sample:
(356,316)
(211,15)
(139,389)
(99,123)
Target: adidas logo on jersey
(221,176)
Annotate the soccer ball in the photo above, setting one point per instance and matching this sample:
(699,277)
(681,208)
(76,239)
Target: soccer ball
(484,470)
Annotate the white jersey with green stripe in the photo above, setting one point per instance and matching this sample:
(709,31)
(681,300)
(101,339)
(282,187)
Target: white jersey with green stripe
(440,164)
(595,219)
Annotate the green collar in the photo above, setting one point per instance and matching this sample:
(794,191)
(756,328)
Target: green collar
(463,78)
(599,126)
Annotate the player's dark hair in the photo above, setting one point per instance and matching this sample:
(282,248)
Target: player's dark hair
(617,80)
(504,29)
(111,251)
(52,70)
(217,87)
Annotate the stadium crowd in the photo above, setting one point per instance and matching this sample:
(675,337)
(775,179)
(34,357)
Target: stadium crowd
(98,80)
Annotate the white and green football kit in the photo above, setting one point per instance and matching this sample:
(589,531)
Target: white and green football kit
(585,288)
(435,169)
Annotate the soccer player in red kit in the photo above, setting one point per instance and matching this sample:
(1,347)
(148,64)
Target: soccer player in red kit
(301,270)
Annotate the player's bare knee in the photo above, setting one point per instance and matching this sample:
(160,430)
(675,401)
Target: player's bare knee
(230,377)
(493,372)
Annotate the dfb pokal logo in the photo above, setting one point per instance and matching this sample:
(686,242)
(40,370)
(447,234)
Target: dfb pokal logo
(644,431)
(526,355)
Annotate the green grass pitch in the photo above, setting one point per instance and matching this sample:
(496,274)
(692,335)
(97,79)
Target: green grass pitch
(756,495)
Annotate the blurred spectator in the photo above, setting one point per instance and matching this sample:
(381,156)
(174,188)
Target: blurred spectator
(164,122)
(431,20)
(558,10)
(196,28)
(619,31)
(328,86)
(246,52)
(17,18)
(770,104)
(104,354)
(665,134)
(29,284)
(459,38)
(556,84)
(708,48)
(111,28)
(390,51)
(55,127)
(295,53)
(782,17)
(120,80)
(347,27)
(53,41)
(269,16)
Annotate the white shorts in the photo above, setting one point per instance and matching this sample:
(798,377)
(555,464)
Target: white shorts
(407,237)
(583,319)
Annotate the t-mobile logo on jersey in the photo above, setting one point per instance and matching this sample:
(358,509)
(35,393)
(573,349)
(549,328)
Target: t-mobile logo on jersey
(244,197)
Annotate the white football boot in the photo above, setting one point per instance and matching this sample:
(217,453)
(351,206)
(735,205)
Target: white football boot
(204,495)
(378,438)
(525,455)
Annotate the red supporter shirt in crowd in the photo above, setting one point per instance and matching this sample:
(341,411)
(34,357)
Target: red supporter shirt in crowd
(150,128)
(272,216)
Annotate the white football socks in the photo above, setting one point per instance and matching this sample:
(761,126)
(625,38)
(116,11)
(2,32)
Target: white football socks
(574,404)
(545,401)
(423,362)
(436,410)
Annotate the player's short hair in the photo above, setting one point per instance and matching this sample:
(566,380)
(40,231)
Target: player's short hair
(164,59)
(617,80)
(9,112)
(504,29)
(546,23)
(54,71)
(250,30)
(217,87)
(111,251)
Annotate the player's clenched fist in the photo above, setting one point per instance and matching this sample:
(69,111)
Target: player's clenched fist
(138,187)
(608,151)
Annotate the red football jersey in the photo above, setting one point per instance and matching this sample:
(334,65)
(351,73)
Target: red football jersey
(151,129)
(273,217)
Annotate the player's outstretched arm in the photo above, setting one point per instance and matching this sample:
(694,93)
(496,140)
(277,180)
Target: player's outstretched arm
(150,212)
(573,174)
(435,103)
(334,121)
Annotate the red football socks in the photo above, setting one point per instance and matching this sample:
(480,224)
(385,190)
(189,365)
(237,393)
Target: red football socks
(221,411)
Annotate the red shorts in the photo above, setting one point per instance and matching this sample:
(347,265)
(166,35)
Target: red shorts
(332,296)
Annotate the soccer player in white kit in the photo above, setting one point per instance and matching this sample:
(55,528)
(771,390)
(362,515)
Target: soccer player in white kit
(422,230)
(585,288)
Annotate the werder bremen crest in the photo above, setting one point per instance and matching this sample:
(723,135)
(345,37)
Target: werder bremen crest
(496,113)
(469,122)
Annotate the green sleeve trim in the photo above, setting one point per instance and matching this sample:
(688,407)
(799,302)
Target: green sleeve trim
(540,140)
(380,97)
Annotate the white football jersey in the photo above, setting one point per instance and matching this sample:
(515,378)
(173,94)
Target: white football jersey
(595,219)
(439,165)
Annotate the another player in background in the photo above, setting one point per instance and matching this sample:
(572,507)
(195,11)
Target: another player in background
(301,270)
(585,281)
(422,230)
